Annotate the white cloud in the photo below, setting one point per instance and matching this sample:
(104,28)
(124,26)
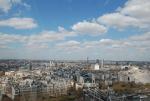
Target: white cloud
(142,37)
(90,44)
(6,5)
(141,42)
(137,42)
(123,49)
(41,38)
(69,45)
(48,36)
(45,36)
(136,8)
(36,45)
(103,43)
(135,13)
(100,43)
(116,49)
(8,38)
(118,20)
(32,41)
(139,9)
(19,23)
(91,28)
(65,32)
(106,41)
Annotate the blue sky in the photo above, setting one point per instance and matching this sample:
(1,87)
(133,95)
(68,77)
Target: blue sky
(75,29)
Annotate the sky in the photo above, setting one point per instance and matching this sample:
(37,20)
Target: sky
(75,29)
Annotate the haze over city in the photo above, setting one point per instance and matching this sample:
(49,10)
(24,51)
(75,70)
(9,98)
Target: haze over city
(75,29)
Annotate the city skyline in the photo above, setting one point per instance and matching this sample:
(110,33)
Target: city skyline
(75,29)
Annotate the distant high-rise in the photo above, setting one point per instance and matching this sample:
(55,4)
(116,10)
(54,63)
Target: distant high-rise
(102,63)
(97,61)
(87,60)
(30,66)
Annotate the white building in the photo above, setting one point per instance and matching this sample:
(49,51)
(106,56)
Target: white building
(96,66)
(134,74)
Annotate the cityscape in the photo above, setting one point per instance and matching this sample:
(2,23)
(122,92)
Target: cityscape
(82,80)
(74,50)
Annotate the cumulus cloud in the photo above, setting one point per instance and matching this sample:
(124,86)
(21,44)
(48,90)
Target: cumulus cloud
(8,38)
(118,20)
(141,42)
(100,43)
(90,44)
(6,5)
(35,39)
(142,37)
(69,45)
(133,47)
(135,13)
(139,9)
(136,8)
(91,28)
(106,41)
(48,36)
(36,45)
(19,23)
(106,46)
(45,36)
(138,42)
(42,37)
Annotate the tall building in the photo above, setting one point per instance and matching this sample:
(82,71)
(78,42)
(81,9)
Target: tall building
(87,60)
(30,66)
(102,63)
(97,61)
